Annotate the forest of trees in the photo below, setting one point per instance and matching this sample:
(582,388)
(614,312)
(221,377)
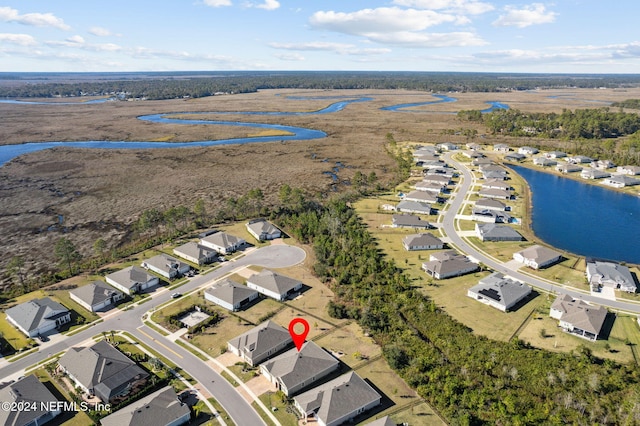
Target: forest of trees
(200,84)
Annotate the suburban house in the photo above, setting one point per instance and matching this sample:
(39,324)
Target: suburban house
(481,161)
(422,242)
(472,154)
(438,179)
(603,164)
(421,158)
(407,206)
(96,296)
(408,221)
(447,146)
(161,408)
(500,147)
(132,280)
(490,216)
(496,184)
(260,343)
(295,370)
(629,170)
(222,242)
(568,168)
(474,146)
(515,156)
(196,253)
(440,171)
(337,401)
(230,295)
(527,150)
(422,197)
(427,164)
(499,194)
(499,292)
(274,285)
(544,162)
(448,264)
(537,257)
(610,274)
(620,181)
(494,232)
(31,393)
(578,317)
(555,154)
(38,316)
(491,204)
(594,174)
(167,266)
(102,370)
(263,230)
(578,159)
(430,187)
(495,174)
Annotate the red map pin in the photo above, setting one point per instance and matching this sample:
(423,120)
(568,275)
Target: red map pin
(298,339)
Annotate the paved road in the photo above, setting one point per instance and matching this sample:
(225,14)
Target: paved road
(448,225)
(241,412)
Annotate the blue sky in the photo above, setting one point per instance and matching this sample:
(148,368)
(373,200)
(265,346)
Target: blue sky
(573,36)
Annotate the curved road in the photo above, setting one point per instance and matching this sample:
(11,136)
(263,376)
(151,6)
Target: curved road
(240,411)
(448,225)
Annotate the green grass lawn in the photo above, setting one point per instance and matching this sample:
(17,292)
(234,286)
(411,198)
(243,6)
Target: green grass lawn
(283,412)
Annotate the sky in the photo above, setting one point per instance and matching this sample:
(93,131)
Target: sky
(565,36)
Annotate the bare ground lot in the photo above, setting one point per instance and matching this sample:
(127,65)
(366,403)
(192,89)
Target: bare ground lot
(99,193)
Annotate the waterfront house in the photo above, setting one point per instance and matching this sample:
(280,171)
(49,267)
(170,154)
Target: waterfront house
(96,296)
(230,295)
(620,181)
(491,204)
(102,370)
(515,156)
(610,274)
(494,232)
(577,317)
(568,168)
(38,316)
(196,253)
(495,193)
(293,370)
(222,242)
(161,408)
(490,216)
(590,173)
(603,164)
(337,401)
(132,280)
(408,221)
(544,162)
(578,159)
(167,266)
(263,230)
(629,170)
(495,174)
(496,184)
(422,242)
(274,285)
(537,257)
(448,264)
(260,343)
(37,402)
(499,292)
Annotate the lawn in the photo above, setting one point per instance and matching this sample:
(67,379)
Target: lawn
(419,414)
(258,311)
(214,339)
(500,250)
(316,326)
(284,411)
(66,418)
(349,340)
(14,337)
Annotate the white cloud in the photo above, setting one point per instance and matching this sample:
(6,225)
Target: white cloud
(19,39)
(340,48)
(269,5)
(415,39)
(8,14)
(533,14)
(464,7)
(293,57)
(78,42)
(101,32)
(217,3)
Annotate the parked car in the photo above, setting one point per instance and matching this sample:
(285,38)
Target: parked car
(175,295)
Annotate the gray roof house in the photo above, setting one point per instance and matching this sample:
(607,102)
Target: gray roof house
(499,292)
(555,154)
(537,256)
(422,197)
(230,295)
(620,181)
(496,184)
(579,159)
(260,343)
(296,370)
(527,150)
(196,253)
(499,194)
(408,221)
(165,265)
(577,317)
(38,316)
(161,408)
(501,147)
(96,296)
(422,242)
(274,285)
(437,179)
(594,174)
(491,204)
(544,162)
(407,206)
(102,370)
(263,230)
(222,242)
(610,274)
(490,216)
(448,264)
(568,168)
(515,156)
(132,280)
(430,187)
(337,401)
(629,170)
(28,390)
(494,232)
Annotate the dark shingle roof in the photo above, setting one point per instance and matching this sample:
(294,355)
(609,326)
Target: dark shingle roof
(95,292)
(273,281)
(160,408)
(230,291)
(29,390)
(258,341)
(35,313)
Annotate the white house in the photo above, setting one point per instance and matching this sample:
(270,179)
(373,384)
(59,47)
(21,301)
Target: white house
(132,280)
(166,266)
(263,230)
(594,174)
(274,285)
(222,242)
(38,316)
(96,296)
(196,253)
(499,292)
(422,242)
(577,317)
(537,256)
(230,295)
(527,150)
